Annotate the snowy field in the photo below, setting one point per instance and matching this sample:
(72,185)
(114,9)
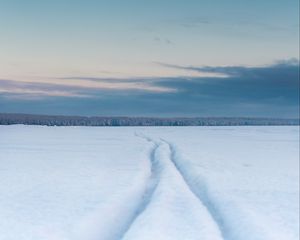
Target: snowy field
(208,183)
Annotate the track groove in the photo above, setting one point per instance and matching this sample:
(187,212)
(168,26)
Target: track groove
(152,184)
(155,178)
(201,194)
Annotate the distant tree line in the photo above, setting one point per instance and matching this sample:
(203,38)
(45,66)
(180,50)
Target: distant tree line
(52,120)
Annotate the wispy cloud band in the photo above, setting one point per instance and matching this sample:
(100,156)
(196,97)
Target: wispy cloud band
(271,90)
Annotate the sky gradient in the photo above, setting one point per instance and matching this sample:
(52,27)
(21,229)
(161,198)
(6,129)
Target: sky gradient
(150,58)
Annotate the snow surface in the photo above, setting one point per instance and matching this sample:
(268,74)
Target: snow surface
(89,183)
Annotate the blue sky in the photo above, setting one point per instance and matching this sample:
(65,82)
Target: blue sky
(150,58)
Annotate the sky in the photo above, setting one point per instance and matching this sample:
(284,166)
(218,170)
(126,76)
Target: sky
(166,58)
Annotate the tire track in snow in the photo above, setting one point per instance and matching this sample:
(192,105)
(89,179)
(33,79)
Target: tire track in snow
(201,194)
(151,186)
(168,172)
(122,212)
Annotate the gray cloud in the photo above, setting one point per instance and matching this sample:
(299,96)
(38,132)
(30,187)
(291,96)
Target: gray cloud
(87,78)
(266,91)
(20,89)
(198,22)
(162,40)
(105,80)
(279,82)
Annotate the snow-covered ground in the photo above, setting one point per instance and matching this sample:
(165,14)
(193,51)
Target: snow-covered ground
(89,183)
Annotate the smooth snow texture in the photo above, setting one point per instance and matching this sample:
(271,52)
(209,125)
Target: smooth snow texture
(88,183)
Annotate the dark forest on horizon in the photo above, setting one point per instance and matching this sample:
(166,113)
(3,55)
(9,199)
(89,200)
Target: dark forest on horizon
(56,120)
